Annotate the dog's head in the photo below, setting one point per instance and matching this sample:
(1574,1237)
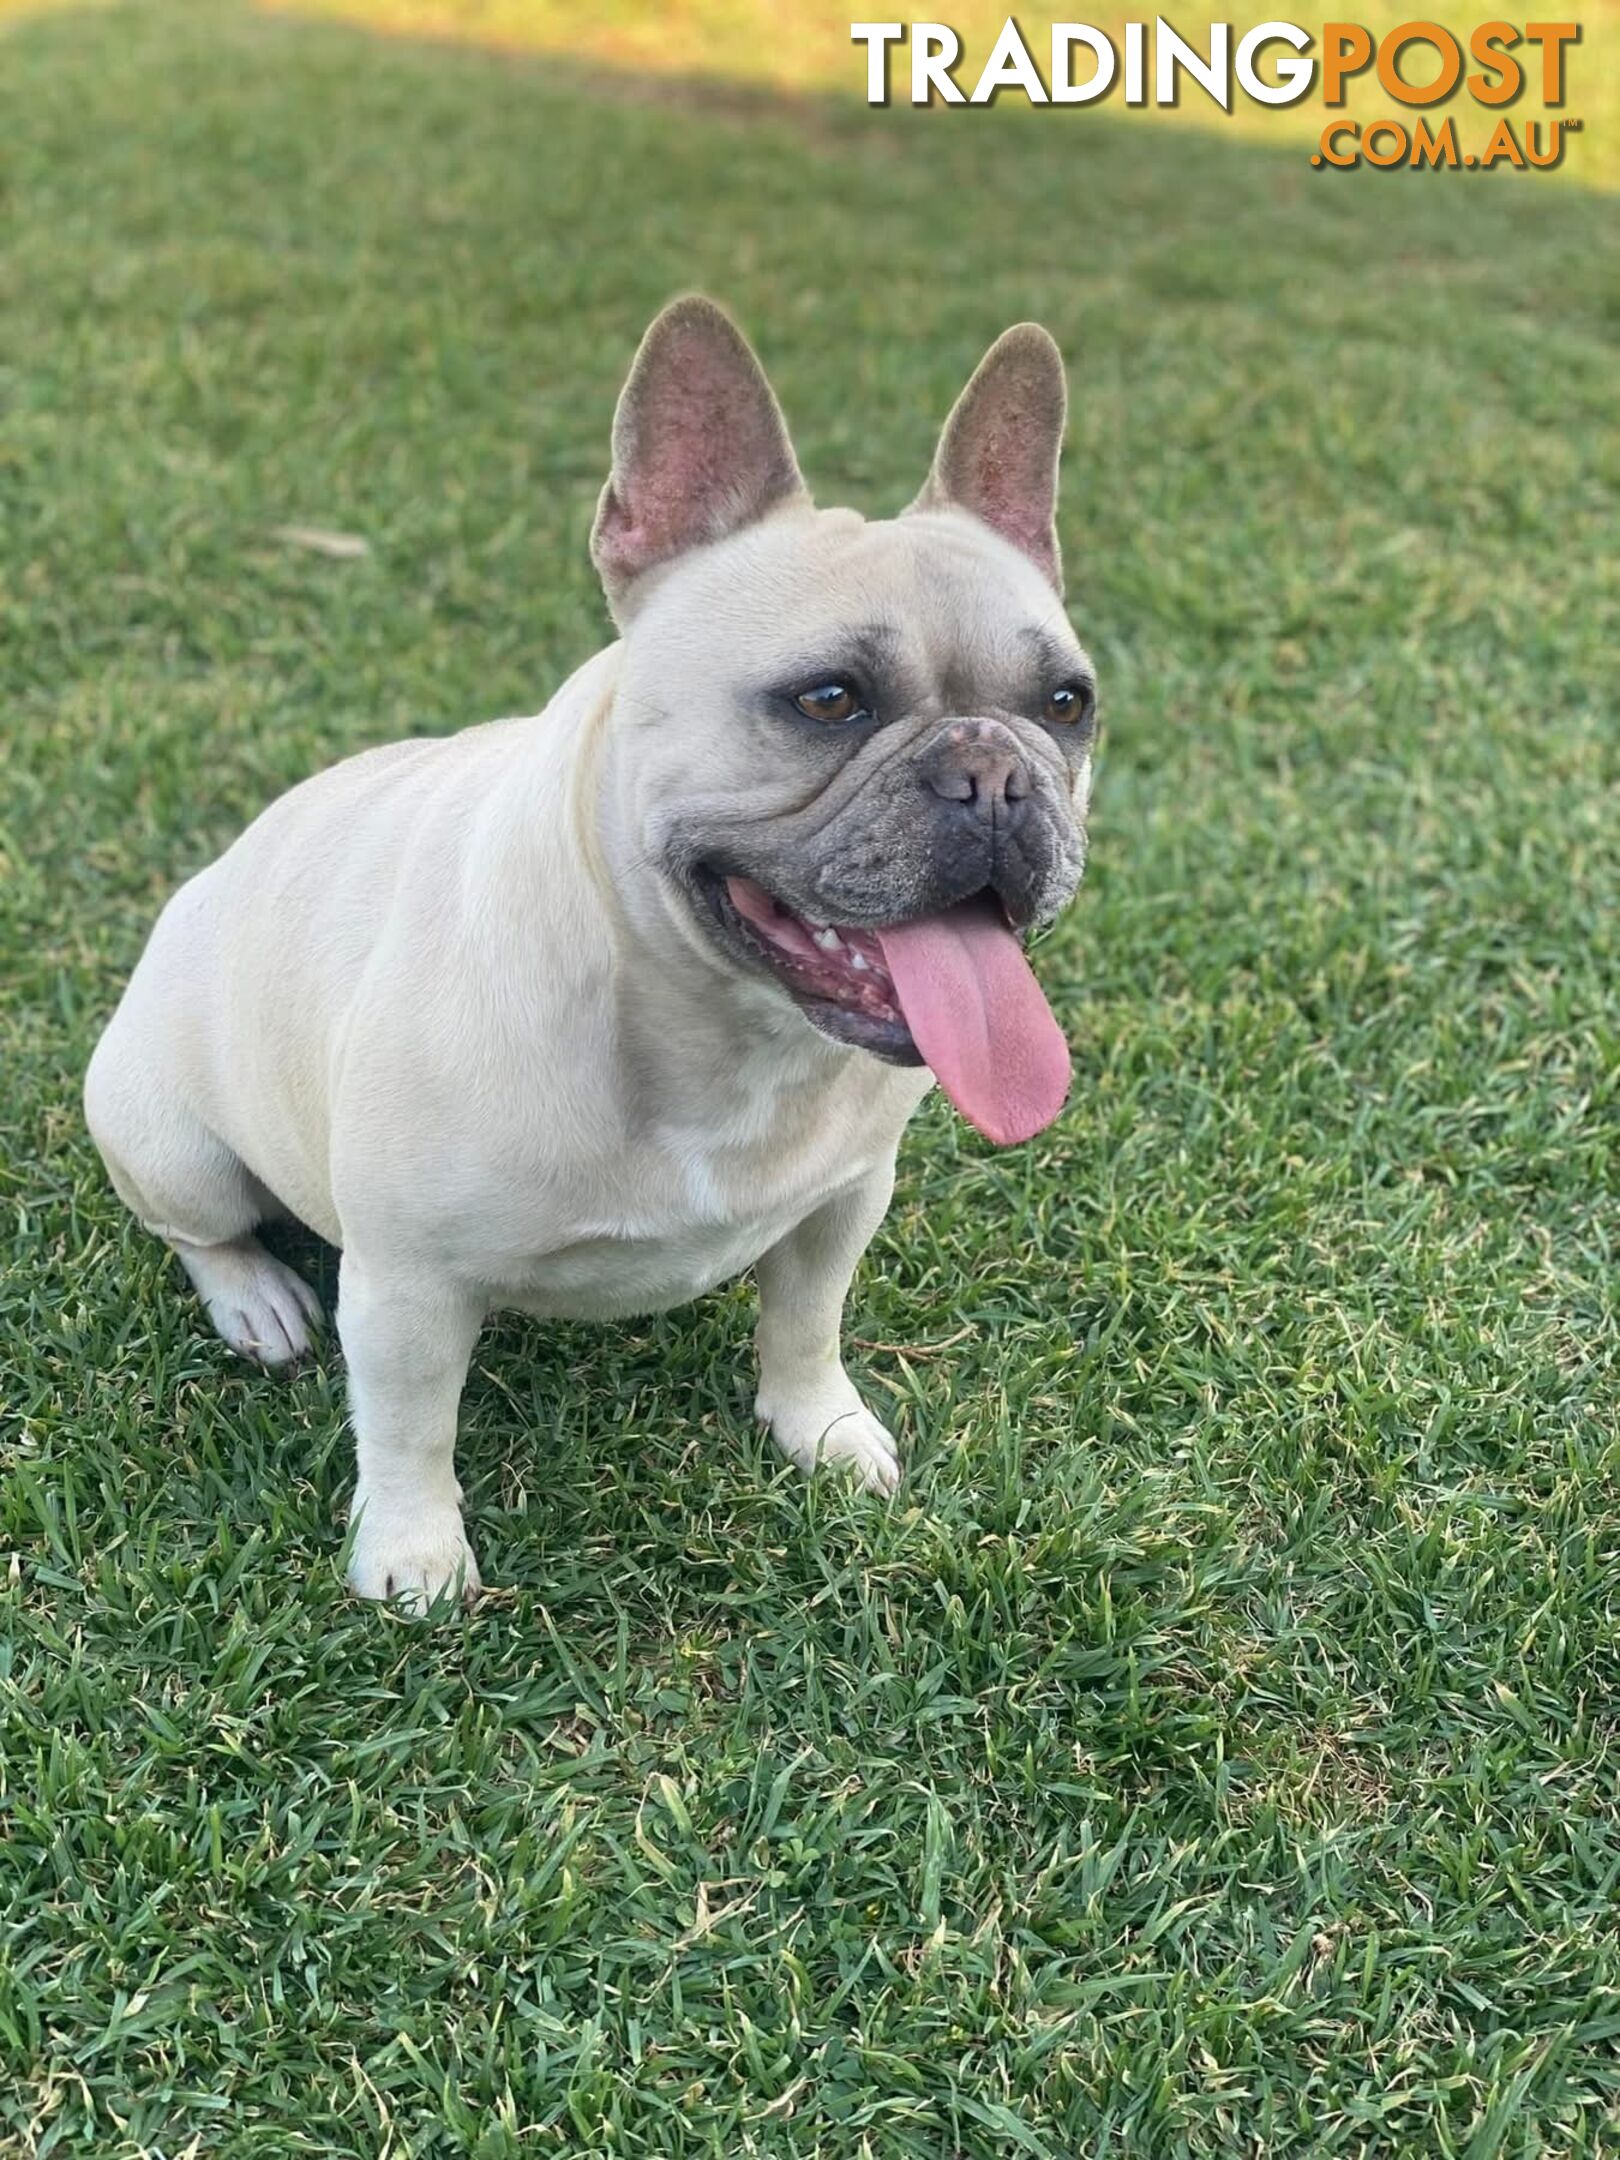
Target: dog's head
(858,754)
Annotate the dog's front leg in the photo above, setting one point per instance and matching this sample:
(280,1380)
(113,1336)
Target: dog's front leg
(407,1339)
(805,1395)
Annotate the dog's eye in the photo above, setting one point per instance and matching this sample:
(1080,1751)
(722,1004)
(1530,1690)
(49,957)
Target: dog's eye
(1071,703)
(833,702)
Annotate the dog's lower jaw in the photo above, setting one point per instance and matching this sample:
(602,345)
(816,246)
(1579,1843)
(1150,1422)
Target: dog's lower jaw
(412,1549)
(744,944)
(827,1426)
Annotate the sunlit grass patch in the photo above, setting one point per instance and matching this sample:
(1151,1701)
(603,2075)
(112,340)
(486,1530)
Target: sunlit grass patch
(805,45)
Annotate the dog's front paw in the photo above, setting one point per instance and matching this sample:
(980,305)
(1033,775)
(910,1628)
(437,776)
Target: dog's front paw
(835,1430)
(416,1555)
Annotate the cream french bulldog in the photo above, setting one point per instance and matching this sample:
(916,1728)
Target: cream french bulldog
(584,1013)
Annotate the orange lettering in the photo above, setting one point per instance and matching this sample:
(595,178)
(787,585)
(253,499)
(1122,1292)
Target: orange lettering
(1346,49)
(1330,149)
(1486,46)
(1425,33)
(1552,37)
(1430,149)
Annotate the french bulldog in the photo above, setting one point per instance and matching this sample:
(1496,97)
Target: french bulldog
(584,1013)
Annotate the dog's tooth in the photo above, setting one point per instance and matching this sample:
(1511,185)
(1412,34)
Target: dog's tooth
(828,940)
(858,961)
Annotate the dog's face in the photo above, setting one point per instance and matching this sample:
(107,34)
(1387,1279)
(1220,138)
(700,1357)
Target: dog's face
(858,754)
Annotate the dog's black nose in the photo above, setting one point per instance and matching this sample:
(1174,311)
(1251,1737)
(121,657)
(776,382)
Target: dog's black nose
(977,762)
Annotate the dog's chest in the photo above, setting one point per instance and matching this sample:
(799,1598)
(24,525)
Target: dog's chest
(683,1211)
(671,1239)
(615,1277)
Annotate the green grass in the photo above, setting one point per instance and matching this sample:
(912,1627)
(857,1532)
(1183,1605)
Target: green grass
(1213,1749)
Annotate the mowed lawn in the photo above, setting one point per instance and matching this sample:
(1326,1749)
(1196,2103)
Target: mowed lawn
(1212,1750)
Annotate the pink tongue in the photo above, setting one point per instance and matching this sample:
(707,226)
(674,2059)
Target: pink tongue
(977,1015)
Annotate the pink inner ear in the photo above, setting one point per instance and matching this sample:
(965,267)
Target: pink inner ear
(679,476)
(998,455)
(701,450)
(1011,489)
(1010,483)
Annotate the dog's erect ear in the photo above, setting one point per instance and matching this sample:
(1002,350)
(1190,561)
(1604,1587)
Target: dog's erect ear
(998,454)
(699,447)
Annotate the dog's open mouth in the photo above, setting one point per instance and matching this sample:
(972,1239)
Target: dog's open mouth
(841,967)
(951,990)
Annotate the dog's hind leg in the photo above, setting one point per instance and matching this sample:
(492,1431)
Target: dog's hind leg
(256,1302)
(185,1184)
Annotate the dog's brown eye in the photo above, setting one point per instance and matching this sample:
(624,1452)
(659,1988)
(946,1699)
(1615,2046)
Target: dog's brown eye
(1067,705)
(830,701)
